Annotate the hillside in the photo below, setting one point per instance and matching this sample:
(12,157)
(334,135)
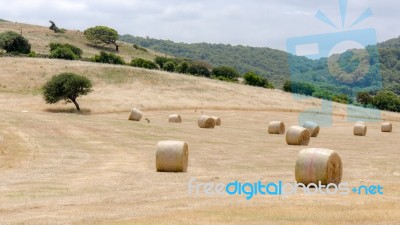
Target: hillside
(274,64)
(40,37)
(59,166)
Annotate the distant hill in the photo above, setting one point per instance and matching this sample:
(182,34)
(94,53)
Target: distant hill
(274,64)
(270,63)
(1,21)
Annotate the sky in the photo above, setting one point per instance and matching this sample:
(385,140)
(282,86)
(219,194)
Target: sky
(259,23)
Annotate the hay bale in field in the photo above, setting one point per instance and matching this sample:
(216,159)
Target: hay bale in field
(276,127)
(297,136)
(316,165)
(136,115)
(206,122)
(360,129)
(217,121)
(172,156)
(175,118)
(387,127)
(312,127)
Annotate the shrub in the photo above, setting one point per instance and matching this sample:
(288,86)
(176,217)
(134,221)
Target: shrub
(66,86)
(63,53)
(14,43)
(77,51)
(183,67)
(169,66)
(226,72)
(142,63)
(387,100)
(299,88)
(199,69)
(364,98)
(254,79)
(341,98)
(160,60)
(109,58)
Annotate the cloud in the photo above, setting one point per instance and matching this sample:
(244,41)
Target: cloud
(253,22)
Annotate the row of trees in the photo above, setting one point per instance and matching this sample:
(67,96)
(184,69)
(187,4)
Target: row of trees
(383,100)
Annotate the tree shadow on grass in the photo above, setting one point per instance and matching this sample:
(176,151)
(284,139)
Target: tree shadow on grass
(69,110)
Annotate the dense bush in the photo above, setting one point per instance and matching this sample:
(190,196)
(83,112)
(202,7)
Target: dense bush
(364,98)
(14,43)
(199,69)
(66,86)
(75,50)
(254,79)
(63,53)
(169,66)
(142,63)
(299,87)
(109,58)
(387,100)
(226,72)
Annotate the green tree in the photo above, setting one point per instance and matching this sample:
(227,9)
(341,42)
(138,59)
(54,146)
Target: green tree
(364,98)
(142,63)
(254,79)
(14,43)
(160,60)
(169,66)
(199,69)
(387,100)
(66,86)
(296,87)
(102,35)
(287,86)
(226,72)
(109,58)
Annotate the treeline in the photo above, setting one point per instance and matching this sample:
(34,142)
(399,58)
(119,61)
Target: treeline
(381,70)
(383,99)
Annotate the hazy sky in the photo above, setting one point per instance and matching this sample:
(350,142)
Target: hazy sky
(266,23)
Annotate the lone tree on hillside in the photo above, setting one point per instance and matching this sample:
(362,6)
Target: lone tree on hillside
(66,86)
(13,42)
(102,35)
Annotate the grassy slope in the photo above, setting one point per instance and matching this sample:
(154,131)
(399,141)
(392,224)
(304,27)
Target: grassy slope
(98,168)
(40,37)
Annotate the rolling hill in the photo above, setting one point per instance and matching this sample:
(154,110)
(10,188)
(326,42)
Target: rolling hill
(59,166)
(274,64)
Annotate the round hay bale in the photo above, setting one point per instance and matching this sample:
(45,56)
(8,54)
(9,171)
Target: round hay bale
(217,120)
(360,129)
(298,136)
(136,115)
(276,127)
(387,127)
(312,127)
(175,118)
(206,122)
(316,165)
(172,156)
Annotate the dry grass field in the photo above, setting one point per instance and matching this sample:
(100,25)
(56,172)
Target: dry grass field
(96,167)
(40,37)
